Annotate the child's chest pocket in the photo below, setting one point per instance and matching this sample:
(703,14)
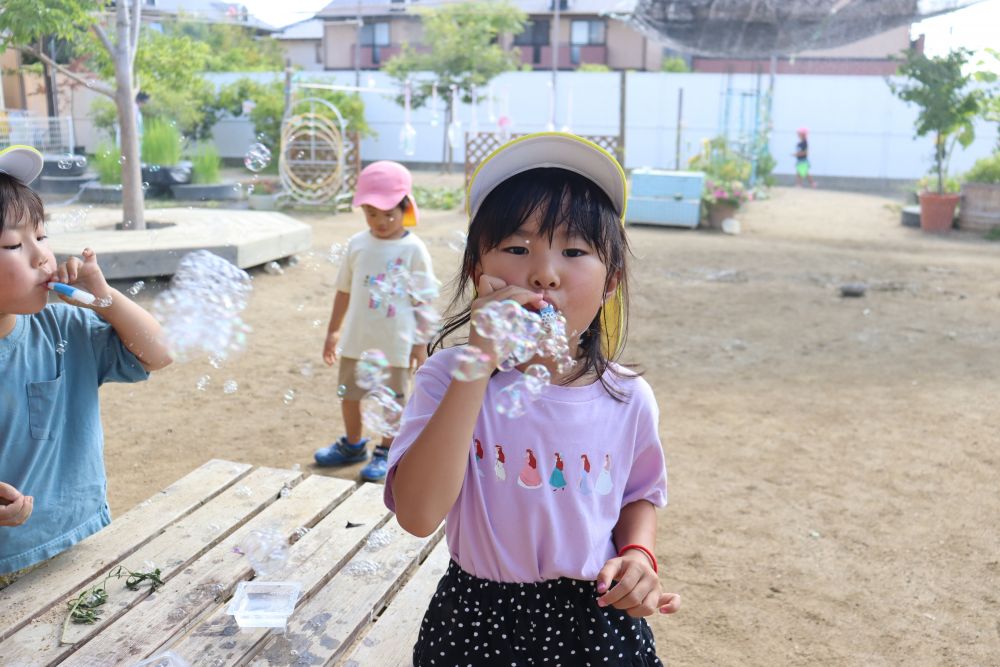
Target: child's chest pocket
(43,397)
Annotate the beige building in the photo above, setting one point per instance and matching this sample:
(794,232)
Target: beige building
(364,35)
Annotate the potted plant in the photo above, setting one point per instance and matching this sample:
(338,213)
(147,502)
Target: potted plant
(108,187)
(205,183)
(947,110)
(162,149)
(262,195)
(981,195)
(722,199)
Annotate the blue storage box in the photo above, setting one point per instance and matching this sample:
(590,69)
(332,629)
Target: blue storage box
(661,197)
(669,184)
(656,211)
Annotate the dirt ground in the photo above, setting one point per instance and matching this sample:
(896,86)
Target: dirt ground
(833,462)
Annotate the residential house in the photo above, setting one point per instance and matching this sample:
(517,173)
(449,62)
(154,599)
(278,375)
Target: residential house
(365,34)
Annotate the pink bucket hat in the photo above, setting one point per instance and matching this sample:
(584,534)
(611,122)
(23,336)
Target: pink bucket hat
(383,184)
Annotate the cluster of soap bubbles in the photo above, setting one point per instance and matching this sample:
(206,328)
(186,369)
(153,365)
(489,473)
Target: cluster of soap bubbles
(136,287)
(266,549)
(68,161)
(517,335)
(398,285)
(257,157)
(338,252)
(514,331)
(201,309)
(380,411)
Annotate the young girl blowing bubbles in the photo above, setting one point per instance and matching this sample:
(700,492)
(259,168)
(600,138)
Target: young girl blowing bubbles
(551,520)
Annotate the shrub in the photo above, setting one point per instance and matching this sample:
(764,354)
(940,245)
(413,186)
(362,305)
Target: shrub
(443,198)
(593,67)
(985,170)
(161,143)
(107,164)
(205,165)
(673,64)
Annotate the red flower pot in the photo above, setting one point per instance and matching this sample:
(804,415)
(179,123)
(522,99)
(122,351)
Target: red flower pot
(937,212)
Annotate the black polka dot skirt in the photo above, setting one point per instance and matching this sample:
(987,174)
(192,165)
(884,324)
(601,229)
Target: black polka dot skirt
(482,623)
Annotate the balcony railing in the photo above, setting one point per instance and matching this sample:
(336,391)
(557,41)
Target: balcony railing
(570,56)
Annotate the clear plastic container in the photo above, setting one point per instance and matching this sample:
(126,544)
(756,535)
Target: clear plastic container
(264,604)
(165,659)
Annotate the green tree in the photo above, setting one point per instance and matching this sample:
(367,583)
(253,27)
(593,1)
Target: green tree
(26,23)
(947,101)
(464,51)
(230,47)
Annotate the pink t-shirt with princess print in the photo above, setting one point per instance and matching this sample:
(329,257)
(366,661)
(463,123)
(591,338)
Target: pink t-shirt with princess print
(542,492)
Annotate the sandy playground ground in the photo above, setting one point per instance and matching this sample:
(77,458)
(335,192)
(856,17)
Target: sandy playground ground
(834,463)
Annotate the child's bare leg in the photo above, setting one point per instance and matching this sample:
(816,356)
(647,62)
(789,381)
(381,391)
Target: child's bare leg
(352,420)
(387,442)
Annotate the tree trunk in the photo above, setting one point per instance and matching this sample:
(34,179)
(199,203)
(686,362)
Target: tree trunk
(133,210)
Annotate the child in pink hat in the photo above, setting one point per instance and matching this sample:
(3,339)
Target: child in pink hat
(369,313)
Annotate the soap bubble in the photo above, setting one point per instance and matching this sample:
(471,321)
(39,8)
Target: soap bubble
(510,401)
(257,157)
(201,309)
(61,347)
(203,382)
(66,161)
(136,287)
(428,323)
(371,369)
(338,252)
(471,363)
(230,387)
(289,396)
(266,549)
(380,411)
(423,286)
(457,242)
(408,139)
(273,268)
(536,377)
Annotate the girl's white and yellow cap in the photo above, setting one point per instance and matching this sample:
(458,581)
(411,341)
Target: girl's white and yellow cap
(22,162)
(561,150)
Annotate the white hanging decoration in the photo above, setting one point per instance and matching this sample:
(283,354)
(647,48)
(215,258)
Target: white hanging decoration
(435,119)
(504,122)
(407,134)
(455,126)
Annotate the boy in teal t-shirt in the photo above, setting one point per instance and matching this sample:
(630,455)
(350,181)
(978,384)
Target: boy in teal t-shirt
(53,359)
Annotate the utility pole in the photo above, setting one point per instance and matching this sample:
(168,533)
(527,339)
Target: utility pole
(555,60)
(357,50)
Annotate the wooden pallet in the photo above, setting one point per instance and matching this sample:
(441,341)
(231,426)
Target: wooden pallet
(352,563)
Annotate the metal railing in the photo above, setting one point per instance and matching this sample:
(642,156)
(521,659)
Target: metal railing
(47,134)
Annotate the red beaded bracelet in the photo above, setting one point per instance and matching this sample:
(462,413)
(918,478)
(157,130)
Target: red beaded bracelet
(649,554)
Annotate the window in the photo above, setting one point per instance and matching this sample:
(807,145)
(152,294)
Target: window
(563,4)
(536,33)
(375,34)
(584,33)
(535,36)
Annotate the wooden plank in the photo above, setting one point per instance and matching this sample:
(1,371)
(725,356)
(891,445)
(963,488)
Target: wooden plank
(37,591)
(218,640)
(195,591)
(324,627)
(180,544)
(389,642)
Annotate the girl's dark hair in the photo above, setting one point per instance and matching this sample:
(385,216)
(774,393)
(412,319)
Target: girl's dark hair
(404,203)
(17,202)
(561,198)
